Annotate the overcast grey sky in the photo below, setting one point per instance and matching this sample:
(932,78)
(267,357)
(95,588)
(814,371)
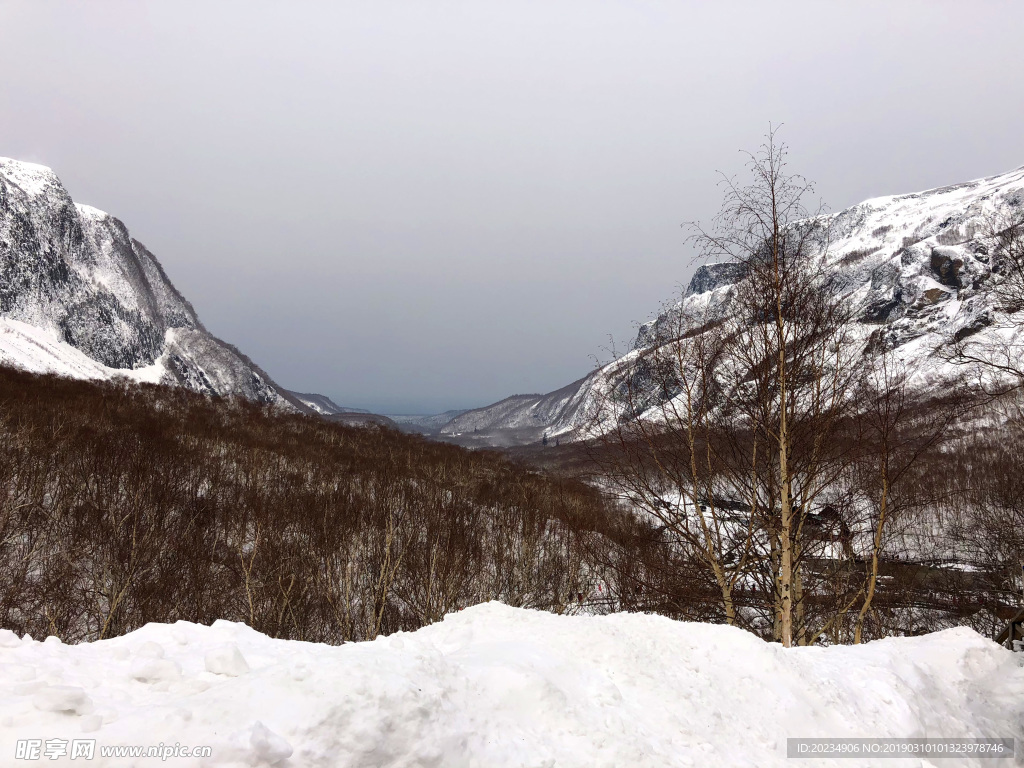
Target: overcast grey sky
(415,206)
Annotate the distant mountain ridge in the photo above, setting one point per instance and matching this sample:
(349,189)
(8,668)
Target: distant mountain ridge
(416,423)
(430,424)
(519,419)
(81,298)
(915,266)
(322,404)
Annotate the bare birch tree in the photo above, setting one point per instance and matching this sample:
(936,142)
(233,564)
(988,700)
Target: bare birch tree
(794,356)
(727,422)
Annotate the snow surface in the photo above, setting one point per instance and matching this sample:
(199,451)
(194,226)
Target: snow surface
(39,350)
(90,212)
(498,686)
(31,178)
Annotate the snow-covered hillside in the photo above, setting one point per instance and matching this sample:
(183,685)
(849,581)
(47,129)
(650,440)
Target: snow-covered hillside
(496,686)
(520,419)
(80,297)
(917,265)
(322,404)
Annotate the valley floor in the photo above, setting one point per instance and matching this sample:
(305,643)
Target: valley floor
(497,686)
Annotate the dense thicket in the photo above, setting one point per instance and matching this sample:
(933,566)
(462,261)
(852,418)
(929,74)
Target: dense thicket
(123,504)
(950,554)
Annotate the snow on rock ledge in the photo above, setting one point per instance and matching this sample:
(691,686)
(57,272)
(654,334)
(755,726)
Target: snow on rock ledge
(497,686)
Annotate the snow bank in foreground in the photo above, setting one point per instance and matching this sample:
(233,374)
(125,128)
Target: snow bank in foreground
(497,686)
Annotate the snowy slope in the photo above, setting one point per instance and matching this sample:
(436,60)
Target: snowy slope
(916,265)
(80,297)
(37,350)
(495,686)
(322,404)
(520,419)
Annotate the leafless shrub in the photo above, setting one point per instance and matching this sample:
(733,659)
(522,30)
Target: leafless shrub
(124,504)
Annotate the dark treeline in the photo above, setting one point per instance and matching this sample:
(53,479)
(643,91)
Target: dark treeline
(125,504)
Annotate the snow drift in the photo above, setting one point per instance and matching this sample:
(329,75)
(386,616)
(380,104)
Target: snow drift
(499,686)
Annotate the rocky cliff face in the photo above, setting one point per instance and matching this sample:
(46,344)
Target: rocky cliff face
(916,267)
(80,297)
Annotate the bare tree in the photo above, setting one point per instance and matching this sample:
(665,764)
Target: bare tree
(794,357)
(885,414)
(659,428)
(727,425)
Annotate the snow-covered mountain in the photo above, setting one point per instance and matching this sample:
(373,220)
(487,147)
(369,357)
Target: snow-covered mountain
(80,297)
(917,265)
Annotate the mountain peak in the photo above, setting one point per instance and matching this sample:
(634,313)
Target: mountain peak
(33,179)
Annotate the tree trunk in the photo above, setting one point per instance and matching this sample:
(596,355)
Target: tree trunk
(876,547)
(785,537)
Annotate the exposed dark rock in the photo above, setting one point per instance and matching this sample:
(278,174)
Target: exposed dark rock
(708,277)
(976,326)
(881,310)
(946,267)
